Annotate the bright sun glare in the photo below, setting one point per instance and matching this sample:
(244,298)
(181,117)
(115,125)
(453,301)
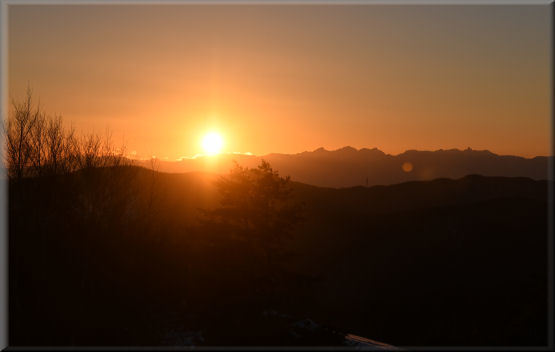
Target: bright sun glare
(212,143)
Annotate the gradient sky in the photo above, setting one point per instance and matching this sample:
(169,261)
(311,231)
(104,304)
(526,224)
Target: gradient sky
(276,78)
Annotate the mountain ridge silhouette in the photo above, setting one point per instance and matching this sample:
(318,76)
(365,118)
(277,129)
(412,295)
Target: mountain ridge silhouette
(348,166)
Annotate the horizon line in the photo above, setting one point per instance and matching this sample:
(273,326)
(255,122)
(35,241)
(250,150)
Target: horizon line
(134,156)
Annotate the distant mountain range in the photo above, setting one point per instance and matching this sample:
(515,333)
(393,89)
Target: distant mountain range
(347,167)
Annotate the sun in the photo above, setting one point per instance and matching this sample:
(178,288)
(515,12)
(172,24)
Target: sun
(212,143)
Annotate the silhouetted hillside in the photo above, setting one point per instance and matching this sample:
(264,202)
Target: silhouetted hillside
(115,256)
(347,167)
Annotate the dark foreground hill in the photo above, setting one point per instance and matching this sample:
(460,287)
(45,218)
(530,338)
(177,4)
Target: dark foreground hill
(348,167)
(115,257)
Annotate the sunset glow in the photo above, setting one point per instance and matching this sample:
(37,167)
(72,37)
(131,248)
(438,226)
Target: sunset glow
(288,79)
(188,174)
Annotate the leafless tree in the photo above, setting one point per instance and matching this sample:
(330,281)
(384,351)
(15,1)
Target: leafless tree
(18,133)
(37,145)
(55,145)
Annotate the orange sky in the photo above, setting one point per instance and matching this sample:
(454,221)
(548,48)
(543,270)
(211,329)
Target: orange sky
(291,78)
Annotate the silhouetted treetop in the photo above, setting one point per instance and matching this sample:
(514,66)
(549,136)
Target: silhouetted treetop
(37,144)
(257,202)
